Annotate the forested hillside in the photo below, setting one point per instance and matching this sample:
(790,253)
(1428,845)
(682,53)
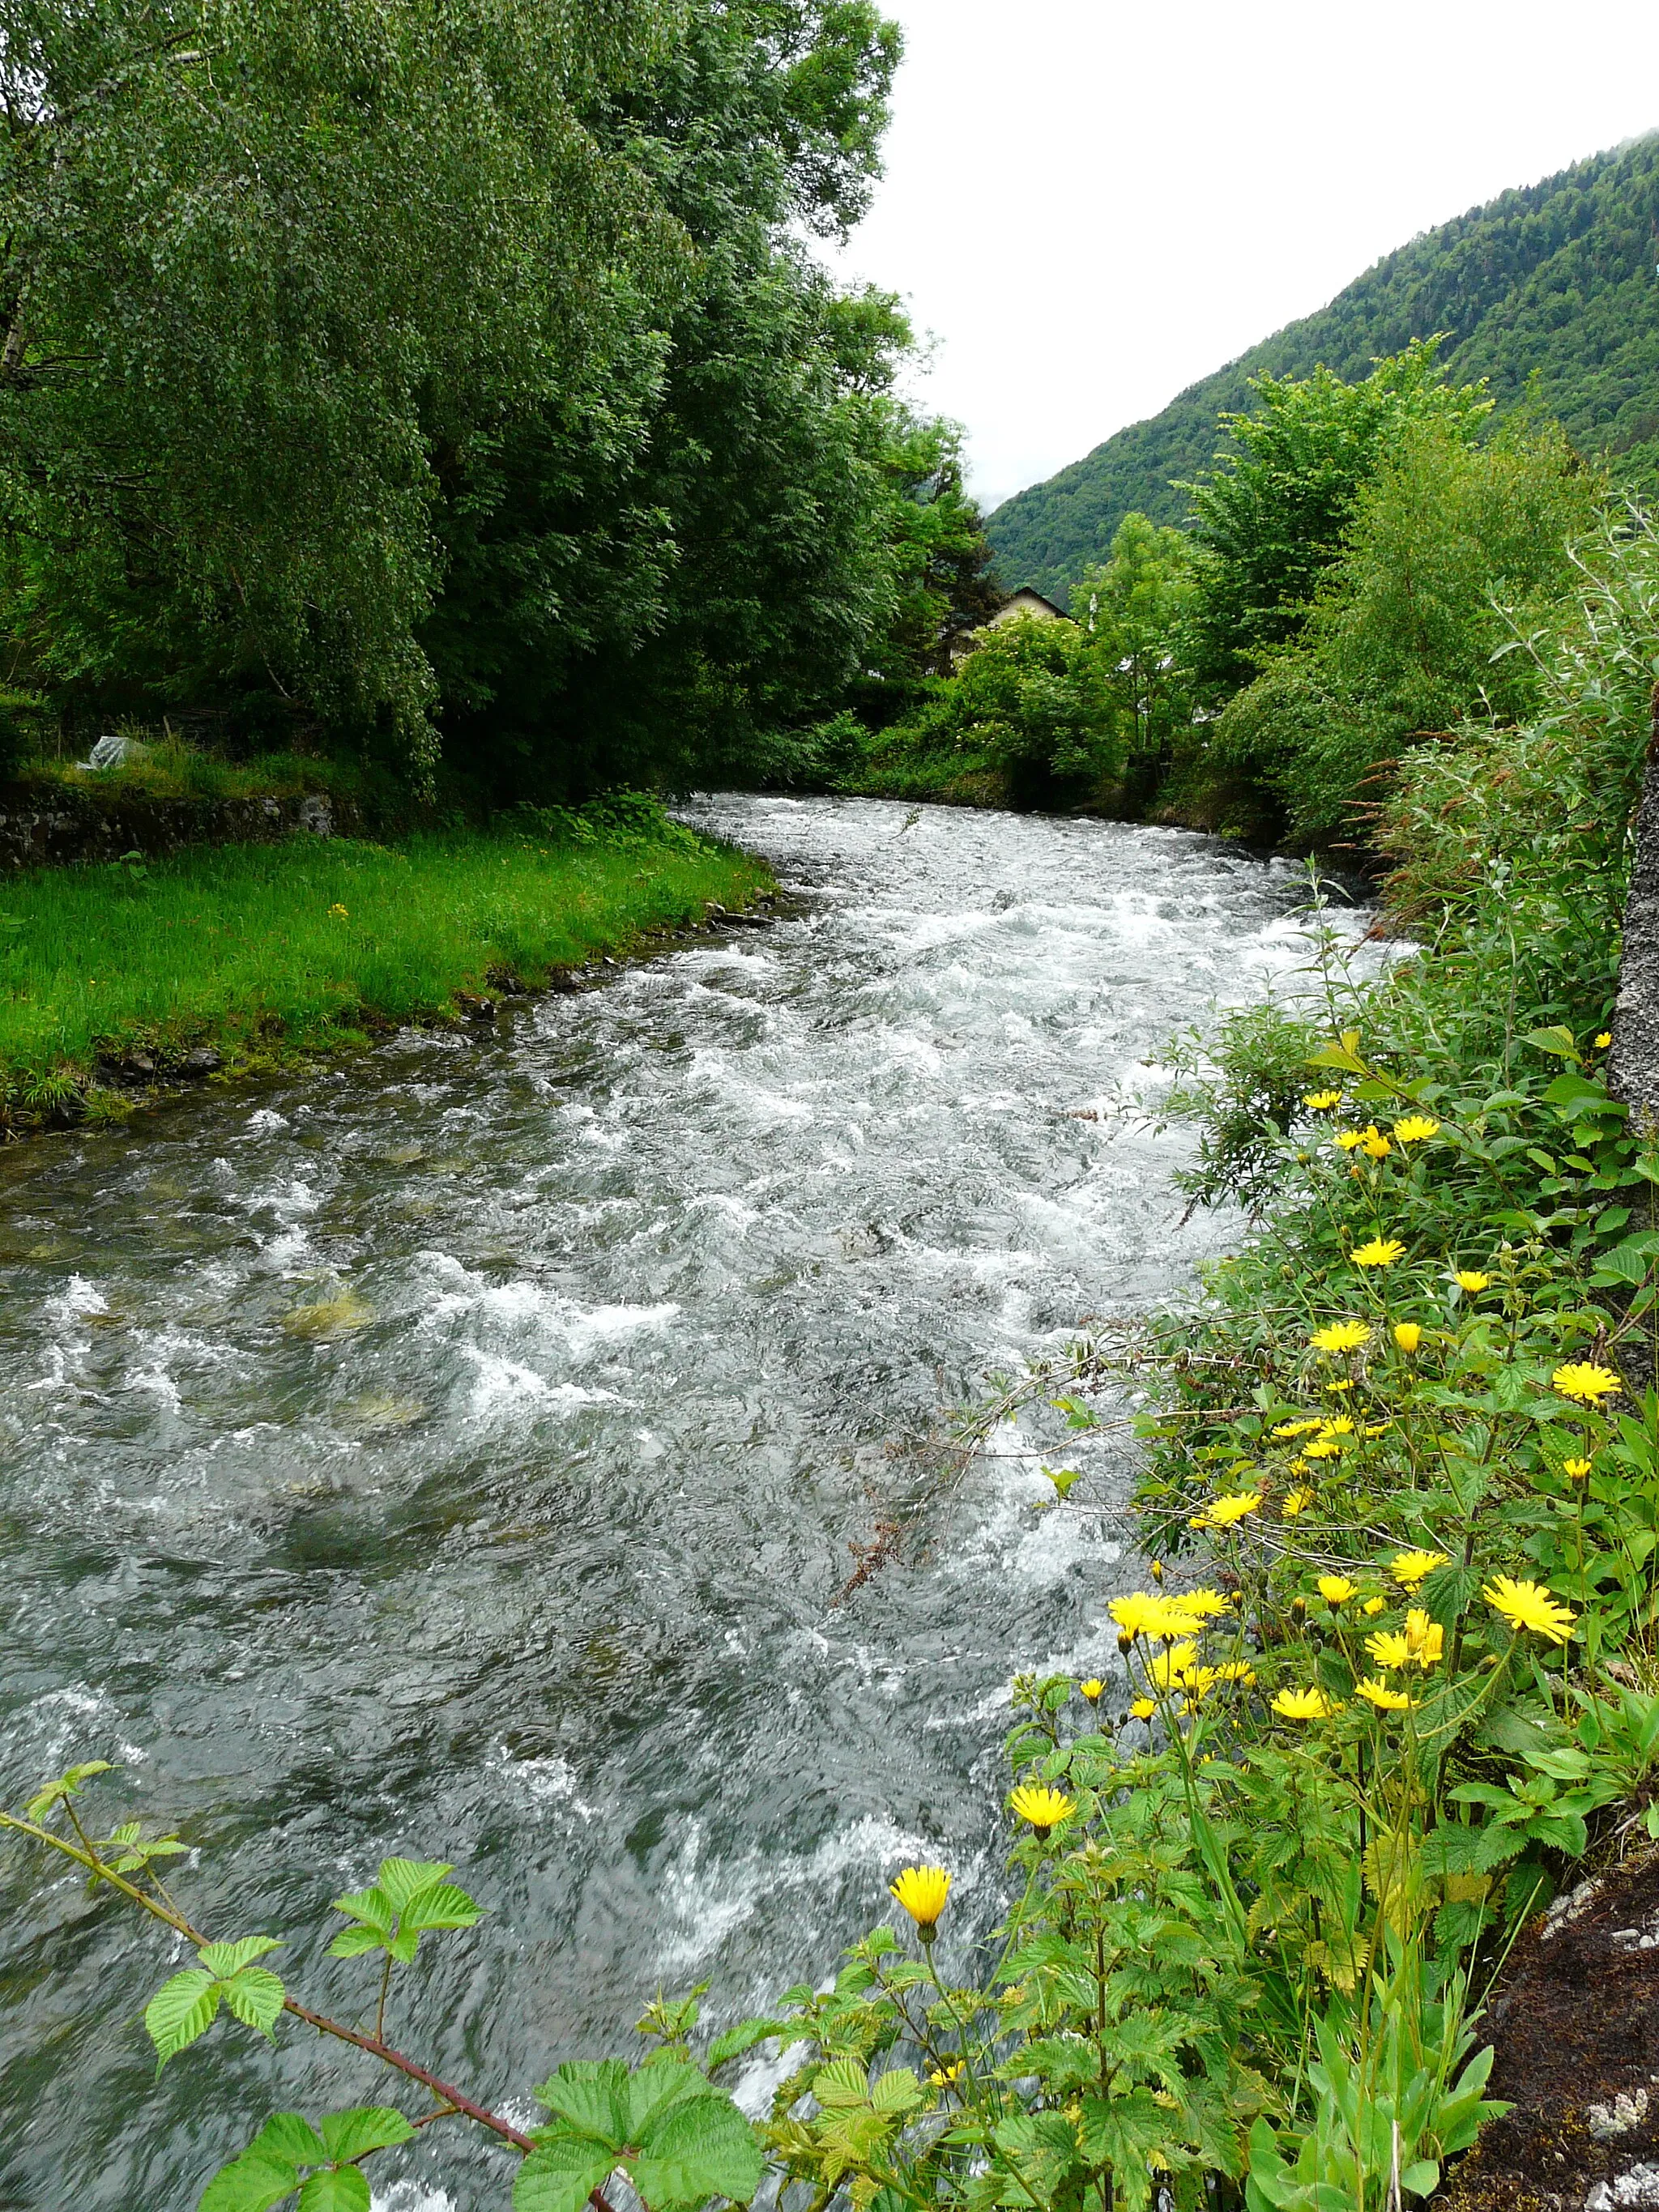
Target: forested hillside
(1558,283)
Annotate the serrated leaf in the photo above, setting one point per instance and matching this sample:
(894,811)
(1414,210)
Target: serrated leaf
(250,2183)
(591,2096)
(403,1944)
(255,1996)
(366,2127)
(180,2010)
(843,2082)
(225,1959)
(67,1785)
(400,1880)
(337,2189)
(561,2176)
(289,2136)
(744,2036)
(352,1942)
(442,1906)
(372,1906)
(701,2147)
(896,2092)
(653,2088)
(1448,1592)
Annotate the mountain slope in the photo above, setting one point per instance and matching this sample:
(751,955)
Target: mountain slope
(1557,283)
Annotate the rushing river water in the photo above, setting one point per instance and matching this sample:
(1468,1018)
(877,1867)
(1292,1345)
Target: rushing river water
(530,1553)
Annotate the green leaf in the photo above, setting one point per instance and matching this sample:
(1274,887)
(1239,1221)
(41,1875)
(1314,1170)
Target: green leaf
(373,1907)
(1448,1592)
(250,2183)
(442,1906)
(701,2147)
(897,2092)
(1421,2177)
(744,2036)
(561,2176)
(352,1942)
(255,1996)
(591,2096)
(337,2189)
(364,2127)
(289,2138)
(67,1785)
(842,2081)
(400,1880)
(653,2088)
(1561,1042)
(180,2010)
(224,1959)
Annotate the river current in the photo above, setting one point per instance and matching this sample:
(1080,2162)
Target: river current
(458,1454)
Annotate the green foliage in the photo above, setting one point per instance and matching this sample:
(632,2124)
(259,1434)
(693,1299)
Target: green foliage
(1545,291)
(186,2006)
(408,1898)
(255,948)
(679,2139)
(1271,520)
(1135,608)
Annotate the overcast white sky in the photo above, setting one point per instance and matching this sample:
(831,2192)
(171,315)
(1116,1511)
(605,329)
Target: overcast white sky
(1090,204)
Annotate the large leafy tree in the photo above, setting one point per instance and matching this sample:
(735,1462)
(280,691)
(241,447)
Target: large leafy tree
(1134,609)
(1269,519)
(258,260)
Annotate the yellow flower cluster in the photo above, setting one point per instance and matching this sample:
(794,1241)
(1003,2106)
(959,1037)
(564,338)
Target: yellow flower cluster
(1222,1512)
(1342,1336)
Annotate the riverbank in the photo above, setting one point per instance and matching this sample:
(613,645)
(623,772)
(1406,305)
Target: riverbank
(125,978)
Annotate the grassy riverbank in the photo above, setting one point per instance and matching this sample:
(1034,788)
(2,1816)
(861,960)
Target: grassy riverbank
(257,951)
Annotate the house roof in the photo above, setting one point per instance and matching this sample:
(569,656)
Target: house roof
(1030,592)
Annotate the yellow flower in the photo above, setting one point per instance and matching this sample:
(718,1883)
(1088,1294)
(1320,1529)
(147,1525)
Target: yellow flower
(1296,1501)
(1374,1144)
(1416,1129)
(1407,1335)
(1374,1605)
(1304,1705)
(1529,1605)
(1426,1640)
(1343,1382)
(1336,1589)
(1378,1693)
(1340,1336)
(1091,1690)
(1143,1709)
(1408,1568)
(1347,1138)
(1296,1428)
(1234,1670)
(942,2076)
(1170,1669)
(1589,1384)
(1222,1512)
(1389,1648)
(1472,1280)
(1044,1807)
(1604,1038)
(1325,1448)
(1206,1604)
(337,912)
(1339,1425)
(1575,1469)
(1136,1613)
(1321,1102)
(922,1890)
(1380,1252)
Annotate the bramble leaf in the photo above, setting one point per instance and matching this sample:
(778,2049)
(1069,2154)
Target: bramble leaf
(654,2087)
(251,2182)
(366,2127)
(441,1905)
(402,1880)
(372,1906)
(352,1942)
(290,2137)
(744,2036)
(225,1959)
(591,2095)
(336,2189)
(181,2009)
(700,2147)
(255,1996)
(67,1785)
(562,2175)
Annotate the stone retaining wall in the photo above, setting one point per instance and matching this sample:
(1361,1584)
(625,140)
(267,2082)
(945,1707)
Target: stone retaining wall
(1633,1063)
(46,827)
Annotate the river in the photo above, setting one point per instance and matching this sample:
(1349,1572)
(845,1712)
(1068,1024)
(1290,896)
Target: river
(458,1452)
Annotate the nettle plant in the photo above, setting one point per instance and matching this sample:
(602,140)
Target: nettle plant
(679,2140)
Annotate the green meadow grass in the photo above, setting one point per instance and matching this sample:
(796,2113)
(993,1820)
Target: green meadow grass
(251,948)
